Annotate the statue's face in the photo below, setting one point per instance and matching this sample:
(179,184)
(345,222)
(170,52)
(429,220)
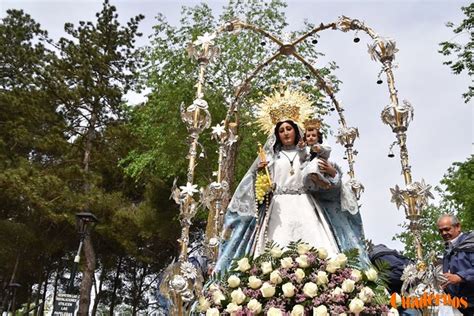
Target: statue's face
(311,137)
(287,135)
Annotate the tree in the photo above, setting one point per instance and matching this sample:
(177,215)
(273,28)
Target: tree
(98,66)
(32,193)
(464,53)
(459,194)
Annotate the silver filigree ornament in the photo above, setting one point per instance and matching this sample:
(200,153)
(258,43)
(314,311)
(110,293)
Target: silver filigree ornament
(203,49)
(187,296)
(189,116)
(178,283)
(398,117)
(417,281)
(214,191)
(175,192)
(188,270)
(397,196)
(421,193)
(188,190)
(346,24)
(213,242)
(234,25)
(418,192)
(357,187)
(347,135)
(218,132)
(383,50)
(232,139)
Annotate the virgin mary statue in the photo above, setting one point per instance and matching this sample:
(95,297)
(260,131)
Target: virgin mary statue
(295,209)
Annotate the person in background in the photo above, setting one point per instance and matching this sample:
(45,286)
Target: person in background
(458,261)
(396,263)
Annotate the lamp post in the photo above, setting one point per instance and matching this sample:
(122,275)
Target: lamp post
(13,287)
(82,222)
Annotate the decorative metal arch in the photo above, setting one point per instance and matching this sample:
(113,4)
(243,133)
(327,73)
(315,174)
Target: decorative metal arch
(197,118)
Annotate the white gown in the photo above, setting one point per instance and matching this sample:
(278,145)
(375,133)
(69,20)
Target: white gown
(293,214)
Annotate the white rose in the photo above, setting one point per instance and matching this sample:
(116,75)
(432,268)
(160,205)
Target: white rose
(371,274)
(299,273)
(217,297)
(332,266)
(274,312)
(233,281)
(204,304)
(267,290)
(348,286)
(254,306)
(266,267)
(275,277)
(255,282)
(286,262)
(366,294)
(320,311)
(212,312)
(213,287)
(288,289)
(322,278)
(356,306)
(337,291)
(341,259)
(233,308)
(356,275)
(238,297)
(393,312)
(302,261)
(243,265)
(303,248)
(298,310)
(276,252)
(322,253)
(310,289)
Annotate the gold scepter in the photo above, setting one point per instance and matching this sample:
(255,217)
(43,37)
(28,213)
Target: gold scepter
(263,157)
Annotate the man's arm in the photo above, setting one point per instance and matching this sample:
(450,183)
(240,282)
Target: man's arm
(468,274)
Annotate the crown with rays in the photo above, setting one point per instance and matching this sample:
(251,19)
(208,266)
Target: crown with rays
(284,104)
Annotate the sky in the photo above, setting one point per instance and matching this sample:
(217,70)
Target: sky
(442,130)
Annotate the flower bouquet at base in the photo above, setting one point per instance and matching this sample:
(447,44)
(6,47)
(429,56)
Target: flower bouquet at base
(300,280)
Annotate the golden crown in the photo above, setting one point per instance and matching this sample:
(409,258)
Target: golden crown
(312,124)
(281,106)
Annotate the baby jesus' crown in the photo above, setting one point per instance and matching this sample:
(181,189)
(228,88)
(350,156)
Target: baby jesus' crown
(282,106)
(311,124)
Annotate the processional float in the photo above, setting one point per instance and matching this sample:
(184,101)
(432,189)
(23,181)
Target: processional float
(182,282)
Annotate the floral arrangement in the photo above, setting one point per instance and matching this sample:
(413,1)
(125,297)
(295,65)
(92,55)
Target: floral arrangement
(298,281)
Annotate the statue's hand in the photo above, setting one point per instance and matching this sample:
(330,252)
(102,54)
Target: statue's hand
(326,167)
(301,144)
(262,164)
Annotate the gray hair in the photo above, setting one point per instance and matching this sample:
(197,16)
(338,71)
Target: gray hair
(454,219)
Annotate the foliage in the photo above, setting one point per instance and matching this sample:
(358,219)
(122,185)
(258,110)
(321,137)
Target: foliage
(172,76)
(463,53)
(61,100)
(459,194)
(430,239)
